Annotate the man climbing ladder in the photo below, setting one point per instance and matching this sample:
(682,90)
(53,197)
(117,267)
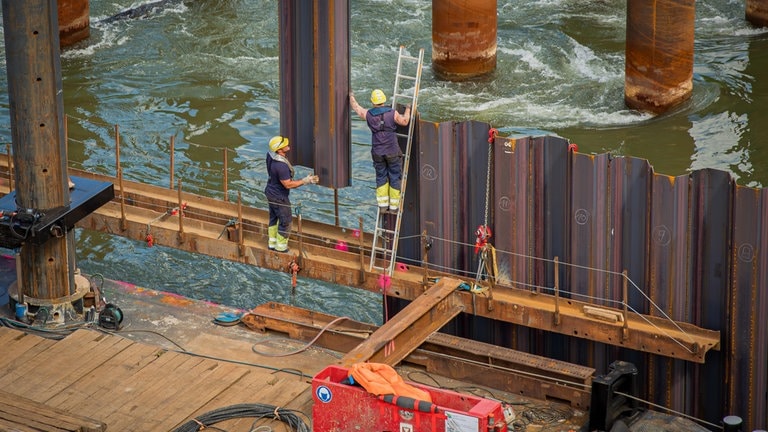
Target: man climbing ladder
(385,150)
(390,171)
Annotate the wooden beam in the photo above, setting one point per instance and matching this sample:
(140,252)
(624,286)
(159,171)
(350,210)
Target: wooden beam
(402,334)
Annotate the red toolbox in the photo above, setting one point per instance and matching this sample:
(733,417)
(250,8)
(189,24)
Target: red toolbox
(342,407)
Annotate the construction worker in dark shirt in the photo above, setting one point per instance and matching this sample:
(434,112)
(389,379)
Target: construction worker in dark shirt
(385,151)
(278,188)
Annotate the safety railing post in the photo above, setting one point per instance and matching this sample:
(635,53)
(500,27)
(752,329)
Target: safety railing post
(360,242)
(336,205)
(117,149)
(240,225)
(173,160)
(226,180)
(181,216)
(625,329)
(301,234)
(66,145)
(123,219)
(425,259)
(491,271)
(557,291)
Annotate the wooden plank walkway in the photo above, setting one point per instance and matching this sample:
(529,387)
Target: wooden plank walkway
(133,386)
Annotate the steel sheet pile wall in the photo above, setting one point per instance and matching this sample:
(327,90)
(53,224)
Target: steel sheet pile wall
(690,246)
(452,177)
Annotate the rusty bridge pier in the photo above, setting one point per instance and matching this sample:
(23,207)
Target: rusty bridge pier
(757,12)
(74,21)
(659,54)
(463,38)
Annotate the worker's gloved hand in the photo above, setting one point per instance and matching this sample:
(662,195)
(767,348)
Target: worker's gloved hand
(310,179)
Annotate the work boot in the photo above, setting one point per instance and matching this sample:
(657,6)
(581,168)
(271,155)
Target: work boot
(382,195)
(272,231)
(282,243)
(394,200)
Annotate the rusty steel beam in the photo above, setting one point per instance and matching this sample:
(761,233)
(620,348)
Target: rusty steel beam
(445,355)
(463,38)
(297,108)
(659,54)
(333,139)
(314,106)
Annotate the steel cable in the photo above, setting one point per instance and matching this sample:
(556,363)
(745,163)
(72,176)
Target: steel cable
(290,417)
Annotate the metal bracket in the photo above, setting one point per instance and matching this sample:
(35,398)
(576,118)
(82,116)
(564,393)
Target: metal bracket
(18,227)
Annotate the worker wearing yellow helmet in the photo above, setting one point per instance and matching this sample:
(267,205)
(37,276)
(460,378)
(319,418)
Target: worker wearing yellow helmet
(385,151)
(277,191)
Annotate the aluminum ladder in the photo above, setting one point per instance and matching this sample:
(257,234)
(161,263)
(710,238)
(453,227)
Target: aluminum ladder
(407,82)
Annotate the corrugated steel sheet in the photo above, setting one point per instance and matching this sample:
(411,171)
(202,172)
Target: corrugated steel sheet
(745,344)
(691,246)
(314,102)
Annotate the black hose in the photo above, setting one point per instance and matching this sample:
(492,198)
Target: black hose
(289,417)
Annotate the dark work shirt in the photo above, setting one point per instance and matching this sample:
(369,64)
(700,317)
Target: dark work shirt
(381,121)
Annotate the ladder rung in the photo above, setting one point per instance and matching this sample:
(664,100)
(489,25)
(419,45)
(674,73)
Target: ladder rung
(407,76)
(409,57)
(384,231)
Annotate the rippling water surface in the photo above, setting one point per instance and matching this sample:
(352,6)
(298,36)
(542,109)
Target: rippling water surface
(206,72)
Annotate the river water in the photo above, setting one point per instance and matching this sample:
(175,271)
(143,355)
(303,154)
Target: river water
(206,72)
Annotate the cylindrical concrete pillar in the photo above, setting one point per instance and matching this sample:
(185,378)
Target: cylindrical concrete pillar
(757,12)
(463,38)
(74,21)
(659,54)
(37,133)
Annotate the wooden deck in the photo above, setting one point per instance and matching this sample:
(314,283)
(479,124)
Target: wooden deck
(132,386)
(167,364)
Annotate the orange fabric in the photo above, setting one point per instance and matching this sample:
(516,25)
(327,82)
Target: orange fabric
(381,379)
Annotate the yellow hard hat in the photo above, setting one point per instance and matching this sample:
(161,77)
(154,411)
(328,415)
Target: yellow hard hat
(277,142)
(378,97)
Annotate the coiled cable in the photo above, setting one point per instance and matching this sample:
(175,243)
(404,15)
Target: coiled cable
(289,417)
